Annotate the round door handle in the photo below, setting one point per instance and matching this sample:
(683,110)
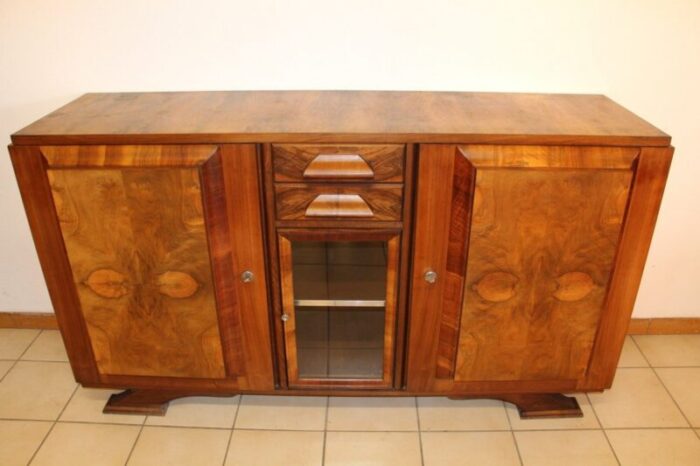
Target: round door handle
(247,276)
(285,317)
(430,276)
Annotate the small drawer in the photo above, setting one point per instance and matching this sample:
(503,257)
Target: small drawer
(327,162)
(341,202)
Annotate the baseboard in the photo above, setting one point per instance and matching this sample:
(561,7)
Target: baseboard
(657,326)
(664,326)
(45,320)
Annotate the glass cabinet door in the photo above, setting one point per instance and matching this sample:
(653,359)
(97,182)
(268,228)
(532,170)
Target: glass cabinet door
(338,295)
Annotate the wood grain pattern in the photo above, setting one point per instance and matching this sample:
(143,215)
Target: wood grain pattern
(431,227)
(455,266)
(338,167)
(30,169)
(645,199)
(541,251)
(142,272)
(246,239)
(341,116)
(384,200)
(300,162)
(338,205)
(541,244)
(538,249)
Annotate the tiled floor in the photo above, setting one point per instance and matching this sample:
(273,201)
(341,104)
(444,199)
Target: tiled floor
(650,417)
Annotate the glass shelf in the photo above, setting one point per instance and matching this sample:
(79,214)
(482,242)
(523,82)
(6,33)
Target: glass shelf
(339,301)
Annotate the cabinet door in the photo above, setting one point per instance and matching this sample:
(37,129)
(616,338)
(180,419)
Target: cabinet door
(339,294)
(144,274)
(523,241)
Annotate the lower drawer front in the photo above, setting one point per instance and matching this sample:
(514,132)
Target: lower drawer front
(327,202)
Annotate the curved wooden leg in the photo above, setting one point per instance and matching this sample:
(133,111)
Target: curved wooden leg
(533,406)
(538,405)
(150,402)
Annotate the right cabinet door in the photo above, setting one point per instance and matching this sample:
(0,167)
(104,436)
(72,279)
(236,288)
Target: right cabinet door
(514,252)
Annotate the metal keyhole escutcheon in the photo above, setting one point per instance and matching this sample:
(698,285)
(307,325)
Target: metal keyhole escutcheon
(247,276)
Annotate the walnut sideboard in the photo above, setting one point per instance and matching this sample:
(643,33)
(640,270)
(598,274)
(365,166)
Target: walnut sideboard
(469,245)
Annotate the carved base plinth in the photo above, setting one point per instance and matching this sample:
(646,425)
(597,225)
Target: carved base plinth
(539,405)
(150,402)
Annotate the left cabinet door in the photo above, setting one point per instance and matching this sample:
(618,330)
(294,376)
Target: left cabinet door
(143,248)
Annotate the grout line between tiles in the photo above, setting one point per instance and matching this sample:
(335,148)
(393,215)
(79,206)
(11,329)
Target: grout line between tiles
(20,356)
(420,433)
(147,425)
(42,360)
(233,425)
(75,390)
(653,369)
(138,436)
(59,414)
(512,434)
(325,431)
(605,434)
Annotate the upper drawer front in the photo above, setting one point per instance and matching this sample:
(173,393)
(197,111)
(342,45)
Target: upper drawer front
(339,202)
(326,162)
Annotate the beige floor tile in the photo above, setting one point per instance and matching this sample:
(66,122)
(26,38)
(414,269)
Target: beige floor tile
(86,406)
(631,356)
(5,367)
(36,390)
(13,341)
(652,447)
(372,414)
(86,444)
(19,440)
(588,421)
(372,448)
(47,347)
(637,399)
(267,447)
(670,350)
(180,446)
(684,385)
(437,413)
(282,413)
(469,448)
(565,447)
(199,412)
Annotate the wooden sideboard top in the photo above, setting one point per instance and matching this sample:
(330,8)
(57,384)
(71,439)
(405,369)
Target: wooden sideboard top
(341,116)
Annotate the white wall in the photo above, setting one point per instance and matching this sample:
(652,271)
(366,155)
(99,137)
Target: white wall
(645,54)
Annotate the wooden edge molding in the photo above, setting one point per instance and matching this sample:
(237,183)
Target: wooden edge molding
(652,326)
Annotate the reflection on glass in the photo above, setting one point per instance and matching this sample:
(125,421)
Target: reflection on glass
(339,293)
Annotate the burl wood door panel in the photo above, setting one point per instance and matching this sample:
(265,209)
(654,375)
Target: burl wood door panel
(523,239)
(153,246)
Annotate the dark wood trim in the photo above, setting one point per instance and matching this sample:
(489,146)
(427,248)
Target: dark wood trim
(30,170)
(145,402)
(273,266)
(546,405)
(221,254)
(401,330)
(651,170)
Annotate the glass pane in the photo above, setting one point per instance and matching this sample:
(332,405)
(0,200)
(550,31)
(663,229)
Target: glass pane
(339,296)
